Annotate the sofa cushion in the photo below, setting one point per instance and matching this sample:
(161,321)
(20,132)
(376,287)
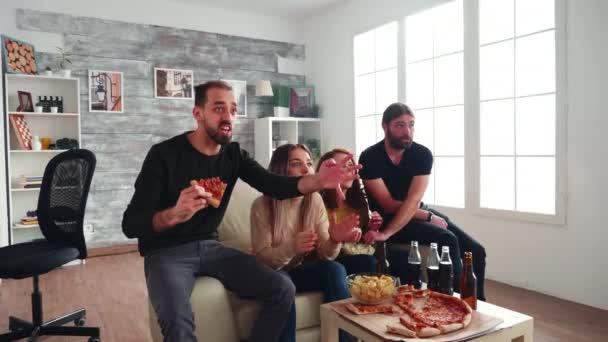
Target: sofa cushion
(235,229)
(307,312)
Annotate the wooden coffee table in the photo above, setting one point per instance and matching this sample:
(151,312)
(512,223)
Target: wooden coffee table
(516,327)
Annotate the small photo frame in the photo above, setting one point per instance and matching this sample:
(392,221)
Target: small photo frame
(173,84)
(302,102)
(19,56)
(239,88)
(106,91)
(25,102)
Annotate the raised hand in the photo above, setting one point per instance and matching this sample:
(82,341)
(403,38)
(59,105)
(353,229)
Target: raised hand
(375,221)
(332,174)
(346,230)
(190,201)
(305,241)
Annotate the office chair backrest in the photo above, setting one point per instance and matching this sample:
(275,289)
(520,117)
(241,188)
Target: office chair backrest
(63,198)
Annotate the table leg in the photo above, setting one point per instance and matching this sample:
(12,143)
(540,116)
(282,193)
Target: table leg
(329,328)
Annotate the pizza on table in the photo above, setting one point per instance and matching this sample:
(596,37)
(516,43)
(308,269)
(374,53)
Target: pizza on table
(421,313)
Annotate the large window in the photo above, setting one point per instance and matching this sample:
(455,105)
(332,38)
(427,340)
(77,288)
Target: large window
(517,105)
(434,90)
(375,64)
(485,81)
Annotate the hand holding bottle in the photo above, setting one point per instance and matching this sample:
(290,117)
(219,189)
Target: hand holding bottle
(375,221)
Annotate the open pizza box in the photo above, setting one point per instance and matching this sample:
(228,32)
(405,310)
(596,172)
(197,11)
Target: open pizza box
(481,324)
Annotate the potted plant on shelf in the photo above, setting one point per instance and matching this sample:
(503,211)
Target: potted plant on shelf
(48,71)
(63,61)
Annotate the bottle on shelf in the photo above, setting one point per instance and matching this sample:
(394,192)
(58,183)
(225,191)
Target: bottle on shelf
(413,266)
(468,282)
(432,268)
(60,103)
(446,272)
(46,105)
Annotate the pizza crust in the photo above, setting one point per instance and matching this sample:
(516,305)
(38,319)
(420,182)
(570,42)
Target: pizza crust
(214,202)
(428,332)
(383,309)
(400,330)
(448,328)
(467,320)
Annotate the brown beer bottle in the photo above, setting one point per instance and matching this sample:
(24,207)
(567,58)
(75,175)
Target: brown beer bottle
(468,282)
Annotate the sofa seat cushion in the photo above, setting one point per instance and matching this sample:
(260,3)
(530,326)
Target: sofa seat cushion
(307,312)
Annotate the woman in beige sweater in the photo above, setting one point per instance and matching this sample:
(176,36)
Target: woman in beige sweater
(296,237)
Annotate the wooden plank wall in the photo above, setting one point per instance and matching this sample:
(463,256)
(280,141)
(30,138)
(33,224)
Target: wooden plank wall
(120,141)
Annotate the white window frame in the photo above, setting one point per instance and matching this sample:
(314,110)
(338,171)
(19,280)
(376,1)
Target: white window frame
(472,124)
(472,149)
(403,71)
(398,68)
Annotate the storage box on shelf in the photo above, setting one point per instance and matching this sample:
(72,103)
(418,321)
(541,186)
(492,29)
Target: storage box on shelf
(27,162)
(272,131)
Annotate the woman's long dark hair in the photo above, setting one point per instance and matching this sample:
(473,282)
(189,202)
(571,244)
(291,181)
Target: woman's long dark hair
(355,195)
(279,163)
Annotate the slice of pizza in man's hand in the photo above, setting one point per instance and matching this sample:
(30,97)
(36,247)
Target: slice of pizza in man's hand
(216,188)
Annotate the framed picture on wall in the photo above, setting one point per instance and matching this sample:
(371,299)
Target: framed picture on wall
(302,102)
(19,56)
(173,84)
(105,91)
(239,88)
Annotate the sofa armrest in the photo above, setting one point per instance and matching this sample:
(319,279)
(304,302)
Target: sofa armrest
(213,316)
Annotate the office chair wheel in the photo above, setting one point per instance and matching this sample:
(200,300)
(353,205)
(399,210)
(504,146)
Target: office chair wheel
(94,339)
(34,336)
(80,322)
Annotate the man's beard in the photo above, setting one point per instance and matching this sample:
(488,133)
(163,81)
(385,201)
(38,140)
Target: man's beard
(214,134)
(398,143)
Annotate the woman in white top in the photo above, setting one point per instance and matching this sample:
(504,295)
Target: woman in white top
(296,237)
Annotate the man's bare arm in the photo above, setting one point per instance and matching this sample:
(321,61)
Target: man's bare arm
(378,190)
(409,206)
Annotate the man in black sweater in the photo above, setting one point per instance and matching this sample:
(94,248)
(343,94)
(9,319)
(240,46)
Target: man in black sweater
(177,230)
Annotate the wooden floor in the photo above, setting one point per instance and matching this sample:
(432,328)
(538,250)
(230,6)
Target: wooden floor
(113,291)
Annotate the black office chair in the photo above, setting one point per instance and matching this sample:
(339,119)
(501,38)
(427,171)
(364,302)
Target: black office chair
(61,206)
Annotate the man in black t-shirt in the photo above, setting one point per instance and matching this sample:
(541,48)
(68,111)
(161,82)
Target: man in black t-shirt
(177,230)
(396,174)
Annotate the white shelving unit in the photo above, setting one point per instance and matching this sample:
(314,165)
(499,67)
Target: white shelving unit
(22,162)
(289,129)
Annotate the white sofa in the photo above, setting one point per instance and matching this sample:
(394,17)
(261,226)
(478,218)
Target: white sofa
(222,316)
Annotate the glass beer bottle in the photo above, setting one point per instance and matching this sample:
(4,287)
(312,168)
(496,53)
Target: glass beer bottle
(432,268)
(413,266)
(468,282)
(446,272)
(382,266)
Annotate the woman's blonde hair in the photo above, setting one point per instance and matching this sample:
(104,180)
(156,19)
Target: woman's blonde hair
(279,163)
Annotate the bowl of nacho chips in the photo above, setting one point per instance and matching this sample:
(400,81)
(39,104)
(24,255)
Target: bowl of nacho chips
(371,288)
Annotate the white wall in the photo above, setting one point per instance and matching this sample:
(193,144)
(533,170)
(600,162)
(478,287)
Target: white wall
(566,261)
(169,13)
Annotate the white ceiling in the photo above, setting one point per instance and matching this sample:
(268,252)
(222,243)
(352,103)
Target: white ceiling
(291,9)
